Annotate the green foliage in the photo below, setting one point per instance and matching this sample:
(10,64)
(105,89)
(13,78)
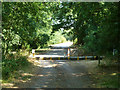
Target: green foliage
(75,41)
(68,34)
(95,25)
(56,38)
(12,63)
(25,25)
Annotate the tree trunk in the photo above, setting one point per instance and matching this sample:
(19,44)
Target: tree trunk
(80,40)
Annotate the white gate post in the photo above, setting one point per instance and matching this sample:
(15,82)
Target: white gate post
(33,52)
(68,52)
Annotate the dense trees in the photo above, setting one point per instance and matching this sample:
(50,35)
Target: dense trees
(28,25)
(31,25)
(25,25)
(95,25)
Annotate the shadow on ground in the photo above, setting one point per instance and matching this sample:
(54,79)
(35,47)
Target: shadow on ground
(56,74)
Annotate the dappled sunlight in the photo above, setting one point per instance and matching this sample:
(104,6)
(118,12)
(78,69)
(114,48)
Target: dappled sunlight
(27,74)
(113,74)
(59,74)
(48,66)
(78,75)
(61,63)
(45,86)
(40,75)
(48,75)
(48,72)
(45,74)
(48,63)
(8,85)
(38,36)
(46,82)
(23,81)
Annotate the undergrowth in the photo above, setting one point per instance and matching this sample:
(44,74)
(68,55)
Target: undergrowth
(12,63)
(107,74)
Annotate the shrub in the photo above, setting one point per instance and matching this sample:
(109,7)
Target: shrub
(12,63)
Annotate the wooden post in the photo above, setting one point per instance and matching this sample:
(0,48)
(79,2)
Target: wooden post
(98,60)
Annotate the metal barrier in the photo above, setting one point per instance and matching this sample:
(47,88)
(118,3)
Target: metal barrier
(68,57)
(71,58)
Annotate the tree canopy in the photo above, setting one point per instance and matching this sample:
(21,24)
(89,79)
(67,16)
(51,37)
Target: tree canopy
(95,25)
(32,25)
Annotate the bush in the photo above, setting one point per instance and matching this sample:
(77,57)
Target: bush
(75,41)
(12,63)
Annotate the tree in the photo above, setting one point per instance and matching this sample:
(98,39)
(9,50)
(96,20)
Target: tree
(24,24)
(92,24)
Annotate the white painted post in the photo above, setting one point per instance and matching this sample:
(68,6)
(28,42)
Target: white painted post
(68,52)
(33,52)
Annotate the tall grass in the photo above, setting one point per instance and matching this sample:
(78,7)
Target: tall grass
(12,63)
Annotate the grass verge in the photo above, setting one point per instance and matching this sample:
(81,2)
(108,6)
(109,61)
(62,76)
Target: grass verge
(11,65)
(106,76)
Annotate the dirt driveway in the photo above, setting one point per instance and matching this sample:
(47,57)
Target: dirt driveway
(58,74)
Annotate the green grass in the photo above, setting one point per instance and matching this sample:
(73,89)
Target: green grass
(12,63)
(107,81)
(107,76)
